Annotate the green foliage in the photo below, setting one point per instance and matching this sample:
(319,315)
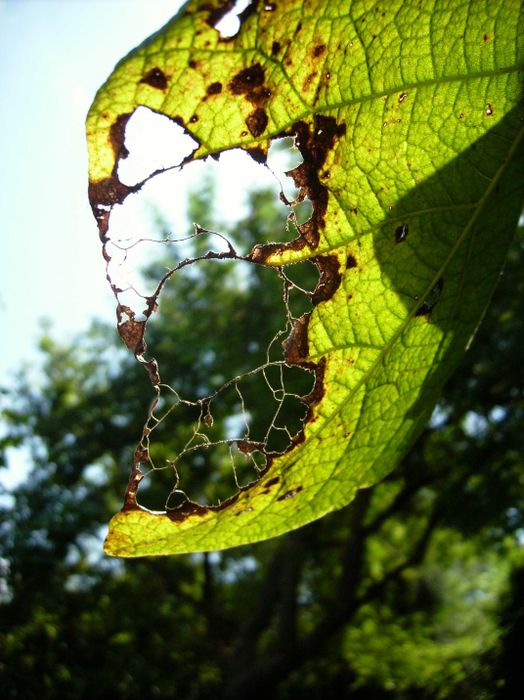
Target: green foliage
(406,118)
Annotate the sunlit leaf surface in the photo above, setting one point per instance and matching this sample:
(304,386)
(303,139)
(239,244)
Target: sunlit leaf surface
(409,121)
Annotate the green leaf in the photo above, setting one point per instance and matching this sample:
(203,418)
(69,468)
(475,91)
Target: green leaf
(408,120)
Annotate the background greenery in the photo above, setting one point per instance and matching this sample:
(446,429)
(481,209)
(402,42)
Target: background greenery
(415,590)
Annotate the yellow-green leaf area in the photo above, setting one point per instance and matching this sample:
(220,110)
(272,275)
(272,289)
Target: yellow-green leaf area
(409,119)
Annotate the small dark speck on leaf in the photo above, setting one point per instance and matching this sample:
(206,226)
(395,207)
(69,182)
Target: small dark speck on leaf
(192,64)
(401,233)
(290,494)
(249,509)
(178,120)
(308,80)
(489,110)
(318,50)
(486,37)
(431,300)
(155,78)
(402,96)
(193,119)
(461,115)
(270,6)
(214,88)
(272,481)
(275,49)
(351,262)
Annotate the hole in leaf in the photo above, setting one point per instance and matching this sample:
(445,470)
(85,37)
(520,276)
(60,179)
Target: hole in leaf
(282,157)
(153,142)
(228,25)
(226,399)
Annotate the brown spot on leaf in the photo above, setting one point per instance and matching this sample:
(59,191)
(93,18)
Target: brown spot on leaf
(290,494)
(296,346)
(247,447)
(261,253)
(216,10)
(272,482)
(318,391)
(155,78)
(250,83)
(257,122)
(180,513)
(351,262)
(105,194)
(178,120)
(314,146)
(192,64)
(247,11)
(318,50)
(247,79)
(275,48)
(214,88)
(308,80)
(136,476)
(330,277)
(117,135)
(258,154)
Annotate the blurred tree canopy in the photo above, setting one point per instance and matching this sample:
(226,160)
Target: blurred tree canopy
(403,594)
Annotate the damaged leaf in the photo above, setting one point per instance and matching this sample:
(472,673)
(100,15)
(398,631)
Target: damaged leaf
(416,187)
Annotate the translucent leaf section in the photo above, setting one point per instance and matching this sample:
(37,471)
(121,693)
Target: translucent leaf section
(408,117)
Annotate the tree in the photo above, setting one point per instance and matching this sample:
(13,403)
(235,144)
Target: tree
(394,596)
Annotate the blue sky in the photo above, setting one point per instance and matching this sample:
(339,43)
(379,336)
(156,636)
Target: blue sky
(54,54)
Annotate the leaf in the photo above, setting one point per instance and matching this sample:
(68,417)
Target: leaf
(408,120)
